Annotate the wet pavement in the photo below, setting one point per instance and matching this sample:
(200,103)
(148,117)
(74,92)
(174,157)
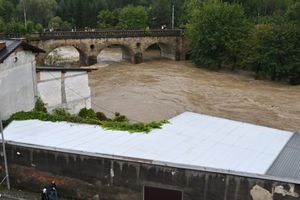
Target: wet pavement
(18,195)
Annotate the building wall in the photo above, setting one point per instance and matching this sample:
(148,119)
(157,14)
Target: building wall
(87,177)
(69,90)
(17,83)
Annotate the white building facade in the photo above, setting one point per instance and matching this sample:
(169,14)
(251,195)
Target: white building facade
(17,77)
(66,88)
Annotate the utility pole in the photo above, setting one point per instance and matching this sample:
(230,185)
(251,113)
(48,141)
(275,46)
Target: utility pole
(24,11)
(4,156)
(173,16)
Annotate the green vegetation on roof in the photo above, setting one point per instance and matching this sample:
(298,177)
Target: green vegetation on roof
(85,116)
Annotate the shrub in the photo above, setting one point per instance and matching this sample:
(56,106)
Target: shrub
(87,113)
(40,106)
(61,112)
(101,116)
(120,118)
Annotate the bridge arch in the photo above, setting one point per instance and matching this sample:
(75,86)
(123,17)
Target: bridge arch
(126,51)
(57,56)
(81,49)
(167,50)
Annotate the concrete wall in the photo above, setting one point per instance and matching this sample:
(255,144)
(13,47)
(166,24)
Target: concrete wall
(69,90)
(17,83)
(84,177)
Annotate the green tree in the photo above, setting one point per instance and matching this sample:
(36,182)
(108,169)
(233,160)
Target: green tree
(107,19)
(38,11)
(252,52)
(39,27)
(58,23)
(6,10)
(217,32)
(30,27)
(160,13)
(2,25)
(275,50)
(15,27)
(293,13)
(55,22)
(133,18)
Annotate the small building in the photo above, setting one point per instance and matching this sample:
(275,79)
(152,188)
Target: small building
(194,157)
(17,76)
(65,87)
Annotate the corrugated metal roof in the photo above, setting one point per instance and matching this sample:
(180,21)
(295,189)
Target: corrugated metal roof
(189,140)
(287,163)
(12,45)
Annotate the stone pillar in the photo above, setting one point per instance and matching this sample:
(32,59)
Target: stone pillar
(138,58)
(92,60)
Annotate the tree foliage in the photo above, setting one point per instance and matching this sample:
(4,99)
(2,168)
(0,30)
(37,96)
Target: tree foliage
(38,11)
(58,24)
(274,51)
(220,33)
(108,19)
(217,32)
(133,18)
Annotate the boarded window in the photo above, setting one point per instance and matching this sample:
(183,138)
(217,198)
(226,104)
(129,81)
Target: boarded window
(152,193)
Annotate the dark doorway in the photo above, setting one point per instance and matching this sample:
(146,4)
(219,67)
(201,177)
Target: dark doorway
(152,193)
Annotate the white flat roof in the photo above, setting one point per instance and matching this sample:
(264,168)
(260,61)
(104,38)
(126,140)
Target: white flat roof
(189,140)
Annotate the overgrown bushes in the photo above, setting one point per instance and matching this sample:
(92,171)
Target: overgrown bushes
(85,116)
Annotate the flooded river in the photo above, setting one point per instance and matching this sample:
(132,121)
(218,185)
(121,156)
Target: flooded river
(160,89)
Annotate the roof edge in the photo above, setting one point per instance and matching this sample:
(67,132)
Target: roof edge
(160,163)
(22,43)
(65,69)
(280,153)
(34,49)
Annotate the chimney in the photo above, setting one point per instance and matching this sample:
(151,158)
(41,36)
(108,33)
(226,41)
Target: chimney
(2,45)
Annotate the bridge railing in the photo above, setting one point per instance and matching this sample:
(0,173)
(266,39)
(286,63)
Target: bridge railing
(108,34)
(12,35)
(98,34)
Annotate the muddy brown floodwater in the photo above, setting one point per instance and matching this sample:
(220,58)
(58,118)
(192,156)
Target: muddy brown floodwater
(160,89)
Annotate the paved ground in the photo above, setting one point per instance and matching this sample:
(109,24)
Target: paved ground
(15,194)
(18,195)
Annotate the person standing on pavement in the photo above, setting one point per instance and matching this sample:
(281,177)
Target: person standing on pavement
(44,195)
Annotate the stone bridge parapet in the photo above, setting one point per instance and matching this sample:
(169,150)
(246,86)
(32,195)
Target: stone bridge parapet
(107,34)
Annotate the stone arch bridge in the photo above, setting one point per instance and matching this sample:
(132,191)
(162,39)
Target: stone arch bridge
(132,42)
